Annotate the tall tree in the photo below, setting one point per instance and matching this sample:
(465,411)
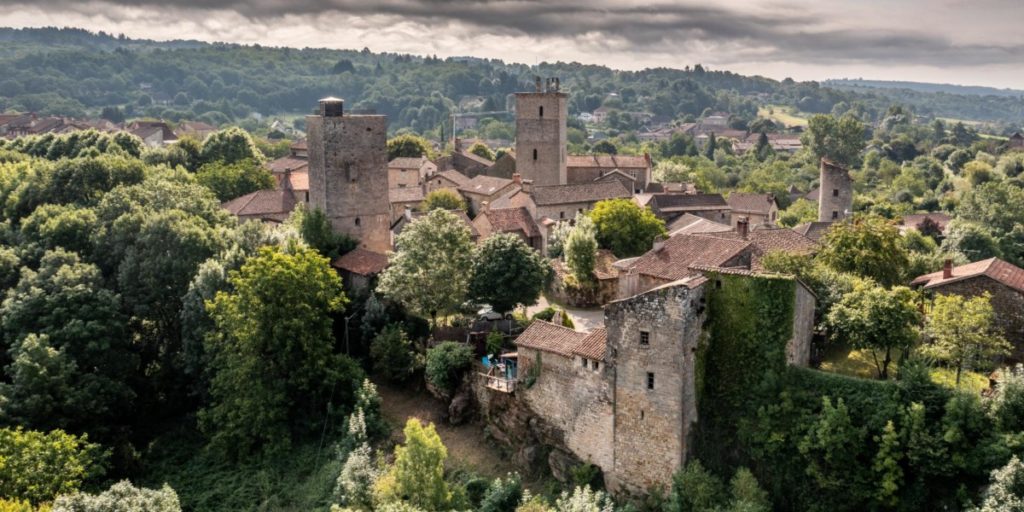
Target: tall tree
(428,272)
(410,146)
(417,476)
(581,249)
(443,199)
(231,180)
(506,273)
(275,371)
(962,332)
(230,146)
(624,228)
(867,245)
(877,320)
(840,140)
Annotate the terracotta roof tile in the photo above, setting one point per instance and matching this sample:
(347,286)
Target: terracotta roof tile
(581,193)
(813,230)
(673,260)
(516,198)
(770,239)
(690,224)
(454,176)
(361,261)
(685,202)
(508,220)
(405,195)
(548,337)
(995,268)
(484,185)
(607,161)
(751,203)
(593,346)
(266,204)
(287,163)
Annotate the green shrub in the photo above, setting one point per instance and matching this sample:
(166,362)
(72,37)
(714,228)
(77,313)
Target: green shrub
(393,354)
(495,341)
(502,495)
(39,466)
(446,363)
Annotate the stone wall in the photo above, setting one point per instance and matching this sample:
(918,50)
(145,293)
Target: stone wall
(835,198)
(541,137)
(652,344)
(798,350)
(1007,303)
(348,176)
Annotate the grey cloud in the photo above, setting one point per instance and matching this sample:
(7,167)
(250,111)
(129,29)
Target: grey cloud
(782,35)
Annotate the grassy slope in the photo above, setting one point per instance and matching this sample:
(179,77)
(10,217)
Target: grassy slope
(783,114)
(856,363)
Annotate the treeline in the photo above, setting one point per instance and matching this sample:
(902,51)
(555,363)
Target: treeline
(75,73)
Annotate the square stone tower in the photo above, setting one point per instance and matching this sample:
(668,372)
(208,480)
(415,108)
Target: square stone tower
(348,173)
(651,355)
(541,134)
(835,189)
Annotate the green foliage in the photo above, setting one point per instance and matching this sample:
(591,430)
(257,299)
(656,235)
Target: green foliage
(315,229)
(76,144)
(624,228)
(1007,407)
(39,466)
(581,249)
(887,466)
(393,354)
(481,150)
(230,146)
(840,140)
(121,497)
(53,226)
(747,494)
(275,372)
(799,212)
(359,471)
(695,489)
(495,342)
(587,474)
(502,495)
(867,245)
(427,274)
(583,499)
(832,446)
(1005,492)
(443,199)
(417,475)
(228,181)
(506,273)
(408,146)
(447,363)
(882,321)
(970,240)
(962,332)
(70,354)
(557,238)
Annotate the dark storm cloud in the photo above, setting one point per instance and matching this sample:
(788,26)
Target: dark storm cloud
(784,34)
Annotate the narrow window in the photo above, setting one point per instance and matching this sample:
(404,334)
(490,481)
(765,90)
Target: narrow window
(641,414)
(835,214)
(357,221)
(541,111)
(645,338)
(650,380)
(535,153)
(593,365)
(584,361)
(835,192)
(561,215)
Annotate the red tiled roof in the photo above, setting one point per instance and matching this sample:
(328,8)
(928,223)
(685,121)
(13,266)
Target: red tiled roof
(287,163)
(548,337)
(507,220)
(484,185)
(751,203)
(690,224)
(607,161)
(768,239)
(361,261)
(405,195)
(593,346)
(673,260)
(995,268)
(684,202)
(813,230)
(265,204)
(581,193)
(514,199)
(299,180)
(454,176)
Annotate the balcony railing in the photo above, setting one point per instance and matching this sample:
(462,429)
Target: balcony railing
(499,383)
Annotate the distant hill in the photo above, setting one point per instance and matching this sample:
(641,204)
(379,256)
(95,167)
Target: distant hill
(78,73)
(976,90)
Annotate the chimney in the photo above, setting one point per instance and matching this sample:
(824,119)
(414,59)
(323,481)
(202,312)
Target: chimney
(743,227)
(947,269)
(332,107)
(659,243)
(458,144)
(517,179)
(527,186)
(408,212)
(647,158)
(536,83)
(485,206)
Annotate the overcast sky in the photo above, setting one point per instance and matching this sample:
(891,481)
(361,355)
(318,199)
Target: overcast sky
(973,42)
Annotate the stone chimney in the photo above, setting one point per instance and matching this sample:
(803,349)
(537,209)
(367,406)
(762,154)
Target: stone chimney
(485,206)
(517,179)
(408,213)
(332,107)
(458,144)
(647,158)
(659,243)
(743,227)
(947,269)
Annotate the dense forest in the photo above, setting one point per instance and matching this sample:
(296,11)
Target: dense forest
(75,73)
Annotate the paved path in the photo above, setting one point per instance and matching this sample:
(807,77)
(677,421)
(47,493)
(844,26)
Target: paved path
(584,319)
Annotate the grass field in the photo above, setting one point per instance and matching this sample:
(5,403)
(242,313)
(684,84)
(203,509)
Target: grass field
(788,116)
(857,363)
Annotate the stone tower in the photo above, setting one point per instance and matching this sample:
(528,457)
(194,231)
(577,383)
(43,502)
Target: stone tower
(835,199)
(541,134)
(651,356)
(348,173)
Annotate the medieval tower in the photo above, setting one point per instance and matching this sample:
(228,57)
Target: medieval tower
(835,200)
(348,173)
(541,134)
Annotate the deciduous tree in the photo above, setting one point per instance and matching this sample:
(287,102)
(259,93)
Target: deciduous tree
(624,228)
(962,332)
(877,320)
(867,245)
(506,273)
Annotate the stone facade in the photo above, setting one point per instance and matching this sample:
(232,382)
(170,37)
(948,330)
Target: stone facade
(541,135)
(652,345)
(348,173)
(1007,303)
(835,200)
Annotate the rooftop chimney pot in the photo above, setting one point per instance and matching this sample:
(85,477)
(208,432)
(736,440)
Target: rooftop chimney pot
(947,269)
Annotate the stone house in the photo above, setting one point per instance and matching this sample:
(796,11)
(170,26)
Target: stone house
(813,230)
(588,168)
(1016,141)
(758,209)
(358,268)
(517,221)
(153,133)
(766,239)
(263,205)
(402,199)
(835,192)
(484,189)
(563,202)
(409,172)
(1004,281)
(710,206)
(449,179)
(672,259)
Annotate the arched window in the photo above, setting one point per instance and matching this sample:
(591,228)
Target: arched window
(357,221)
